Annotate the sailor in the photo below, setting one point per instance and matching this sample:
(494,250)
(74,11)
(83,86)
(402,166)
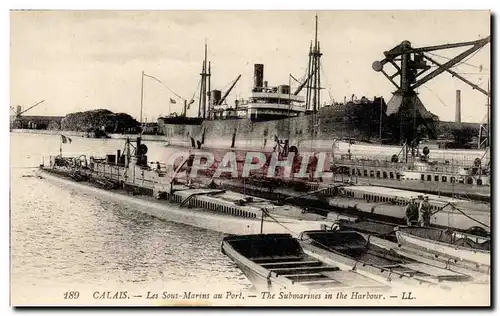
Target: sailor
(424,211)
(411,213)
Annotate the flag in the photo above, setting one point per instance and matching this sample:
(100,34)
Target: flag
(189,104)
(65,139)
(172,101)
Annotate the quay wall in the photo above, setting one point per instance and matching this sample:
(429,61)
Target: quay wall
(48,132)
(256,135)
(152,138)
(259,136)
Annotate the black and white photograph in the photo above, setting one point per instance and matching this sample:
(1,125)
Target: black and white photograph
(330,158)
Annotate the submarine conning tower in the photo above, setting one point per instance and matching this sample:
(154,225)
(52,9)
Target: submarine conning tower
(140,158)
(258,77)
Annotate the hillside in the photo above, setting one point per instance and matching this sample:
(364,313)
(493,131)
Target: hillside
(102,120)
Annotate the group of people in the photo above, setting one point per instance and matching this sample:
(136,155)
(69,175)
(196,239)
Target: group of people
(418,211)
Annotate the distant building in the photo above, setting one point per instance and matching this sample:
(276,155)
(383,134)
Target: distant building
(35,122)
(151,128)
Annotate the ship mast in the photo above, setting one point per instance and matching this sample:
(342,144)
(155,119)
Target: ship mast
(309,75)
(313,94)
(202,106)
(208,93)
(142,100)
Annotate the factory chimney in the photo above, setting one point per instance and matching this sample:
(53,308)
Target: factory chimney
(458,110)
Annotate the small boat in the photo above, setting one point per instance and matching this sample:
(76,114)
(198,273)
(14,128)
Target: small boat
(351,250)
(369,227)
(388,204)
(446,243)
(385,234)
(479,273)
(277,262)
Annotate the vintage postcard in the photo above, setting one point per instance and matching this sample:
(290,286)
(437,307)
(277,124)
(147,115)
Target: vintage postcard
(250,158)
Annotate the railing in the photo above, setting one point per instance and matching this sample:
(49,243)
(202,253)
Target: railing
(451,167)
(108,170)
(451,160)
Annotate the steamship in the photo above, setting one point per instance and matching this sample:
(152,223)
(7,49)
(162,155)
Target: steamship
(280,117)
(265,102)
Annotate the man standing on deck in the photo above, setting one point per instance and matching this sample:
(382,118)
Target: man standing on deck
(412,213)
(424,211)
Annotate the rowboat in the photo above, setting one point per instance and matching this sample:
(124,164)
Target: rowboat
(454,245)
(277,262)
(351,250)
(369,227)
(390,204)
(479,273)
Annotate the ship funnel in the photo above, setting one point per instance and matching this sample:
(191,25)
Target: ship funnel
(258,76)
(216,96)
(18,110)
(458,110)
(284,89)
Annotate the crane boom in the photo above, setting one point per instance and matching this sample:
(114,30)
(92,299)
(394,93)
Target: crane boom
(229,90)
(452,62)
(412,69)
(453,73)
(36,104)
(303,84)
(399,50)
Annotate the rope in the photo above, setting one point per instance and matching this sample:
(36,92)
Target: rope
(390,270)
(325,80)
(191,100)
(224,88)
(463,62)
(196,90)
(437,96)
(460,211)
(265,212)
(149,76)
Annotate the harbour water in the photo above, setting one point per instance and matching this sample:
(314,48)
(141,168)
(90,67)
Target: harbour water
(62,239)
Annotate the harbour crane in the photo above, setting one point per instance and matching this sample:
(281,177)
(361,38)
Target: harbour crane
(19,112)
(412,68)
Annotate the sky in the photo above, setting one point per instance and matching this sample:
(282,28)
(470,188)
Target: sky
(82,60)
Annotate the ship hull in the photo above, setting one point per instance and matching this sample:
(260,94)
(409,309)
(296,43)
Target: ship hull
(482,257)
(196,217)
(444,219)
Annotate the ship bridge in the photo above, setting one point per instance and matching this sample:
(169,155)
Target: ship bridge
(266,103)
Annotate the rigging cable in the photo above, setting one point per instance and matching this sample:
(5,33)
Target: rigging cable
(152,77)
(464,62)
(196,90)
(453,206)
(327,84)
(435,95)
